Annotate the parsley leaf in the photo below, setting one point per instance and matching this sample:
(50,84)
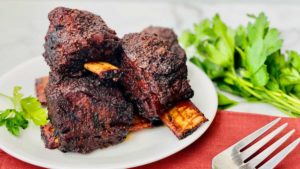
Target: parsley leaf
(225,102)
(294,60)
(24,109)
(213,39)
(17,96)
(33,110)
(263,41)
(13,121)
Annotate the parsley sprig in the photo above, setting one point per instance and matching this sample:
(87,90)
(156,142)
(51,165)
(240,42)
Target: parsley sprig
(23,109)
(247,62)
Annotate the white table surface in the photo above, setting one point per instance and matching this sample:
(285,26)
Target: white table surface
(23,24)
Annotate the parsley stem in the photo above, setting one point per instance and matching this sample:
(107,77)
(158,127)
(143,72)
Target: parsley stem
(296,101)
(244,85)
(283,109)
(5,96)
(279,99)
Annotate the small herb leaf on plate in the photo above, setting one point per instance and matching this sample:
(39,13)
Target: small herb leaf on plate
(225,102)
(24,109)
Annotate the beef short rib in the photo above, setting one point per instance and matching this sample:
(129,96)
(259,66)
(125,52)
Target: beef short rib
(87,114)
(155,78)
(75,37)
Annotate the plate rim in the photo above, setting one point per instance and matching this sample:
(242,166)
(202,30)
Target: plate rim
(129,165)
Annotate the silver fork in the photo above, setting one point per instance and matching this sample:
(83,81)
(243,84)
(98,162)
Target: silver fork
(233,158)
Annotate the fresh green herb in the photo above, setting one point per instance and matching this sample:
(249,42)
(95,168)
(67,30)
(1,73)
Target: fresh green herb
(225,102)
(247,61)
(24,109)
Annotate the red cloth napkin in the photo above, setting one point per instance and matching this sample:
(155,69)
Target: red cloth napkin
(226,129)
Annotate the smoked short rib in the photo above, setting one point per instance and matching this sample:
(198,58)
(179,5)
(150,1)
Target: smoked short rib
(86,114)
(155,78)
(75,37)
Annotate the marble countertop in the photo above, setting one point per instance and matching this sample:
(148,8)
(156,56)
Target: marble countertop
(24,23)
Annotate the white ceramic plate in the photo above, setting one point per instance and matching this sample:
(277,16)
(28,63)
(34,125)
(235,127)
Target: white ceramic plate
(140,148)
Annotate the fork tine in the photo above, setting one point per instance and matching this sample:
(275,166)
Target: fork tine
(250,138)
(273,162)
(255,147)
(263,155)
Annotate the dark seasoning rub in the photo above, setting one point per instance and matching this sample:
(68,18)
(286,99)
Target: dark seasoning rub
(75,37)
(89,111)
(155,77)
(170,37)
(85,112)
